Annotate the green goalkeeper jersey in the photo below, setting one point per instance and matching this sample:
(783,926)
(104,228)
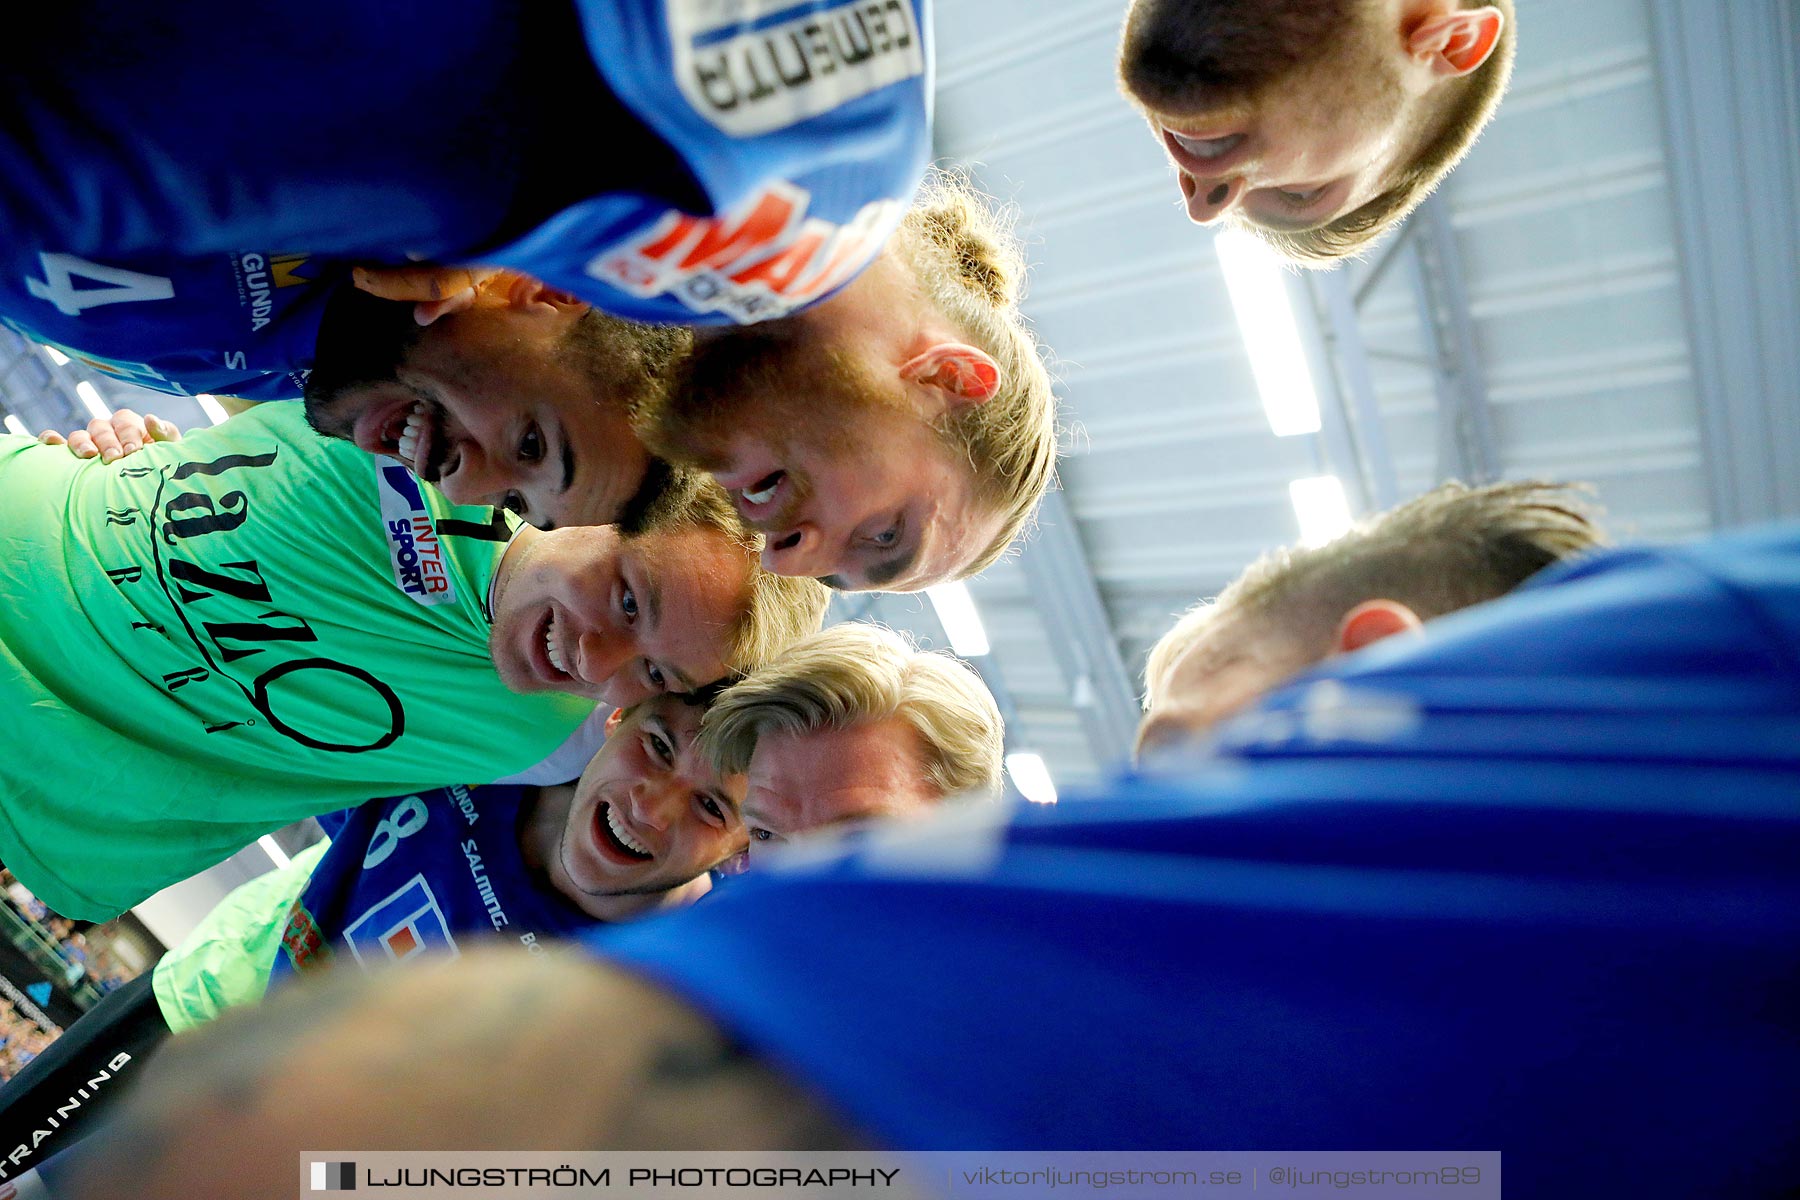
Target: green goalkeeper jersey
(214,637)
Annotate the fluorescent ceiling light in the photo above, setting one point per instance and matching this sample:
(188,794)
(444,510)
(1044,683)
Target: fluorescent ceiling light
(1031,777)
(54,355)
(275,852)
(1258,285)
(956,613)
(211,408)
(1322,507)
(90,396)
(14,425)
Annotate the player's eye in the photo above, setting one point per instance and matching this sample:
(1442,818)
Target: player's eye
(761,835)
(711,808)
(888,536)
(514,503)
(1300,199)
(531,445)
(653,673)
(659,749)
(628,604)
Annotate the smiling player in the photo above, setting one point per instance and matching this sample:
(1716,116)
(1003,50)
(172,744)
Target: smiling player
(895,436)
(854,725)
(1316,124)
(422,875)
(220,635)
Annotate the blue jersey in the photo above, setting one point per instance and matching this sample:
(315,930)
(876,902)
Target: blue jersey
(1539,893)
(1591,661)
(243,324)
(413,875)
(667,160)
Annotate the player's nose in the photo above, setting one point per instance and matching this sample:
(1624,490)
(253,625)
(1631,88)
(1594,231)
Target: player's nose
(602,659)
(658,801)
(1213,199)
(476,478)
(802,550)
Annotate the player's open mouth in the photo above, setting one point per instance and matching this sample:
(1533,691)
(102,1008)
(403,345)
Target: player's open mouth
(615,840)
(761,494)
(546,651)
(406,441)
(1208,147)
(423,444)
(410,430)
(378,430)
(551,646)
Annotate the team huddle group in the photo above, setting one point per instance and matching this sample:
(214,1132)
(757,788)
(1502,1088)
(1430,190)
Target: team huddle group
(514,573)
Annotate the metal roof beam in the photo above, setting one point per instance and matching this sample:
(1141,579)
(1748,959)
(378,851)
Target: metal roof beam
(1466,445)
(1081,634)
(1727,74)
(40,395)
(1334,446)
(1355,381)
(1381,263)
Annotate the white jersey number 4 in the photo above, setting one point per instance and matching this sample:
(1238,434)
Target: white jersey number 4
(117,285)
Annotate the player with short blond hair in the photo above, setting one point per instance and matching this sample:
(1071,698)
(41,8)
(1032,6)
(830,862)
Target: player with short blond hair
(850,724)
(897,434)
(1317,125)
(1453,547)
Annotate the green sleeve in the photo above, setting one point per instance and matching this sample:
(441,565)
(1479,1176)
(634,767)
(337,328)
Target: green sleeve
(217,636)
(226,960)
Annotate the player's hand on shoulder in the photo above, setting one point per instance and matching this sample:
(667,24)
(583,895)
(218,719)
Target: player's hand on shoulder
(112,438)
(435,291)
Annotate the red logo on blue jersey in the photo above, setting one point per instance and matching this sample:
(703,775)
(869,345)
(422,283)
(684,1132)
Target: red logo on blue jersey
(408,923)
(763,260)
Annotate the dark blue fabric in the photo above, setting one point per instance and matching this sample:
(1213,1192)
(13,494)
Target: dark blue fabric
(836,182)
(1662,655)
(242,325)
(333,822)
(421,874)
(209,126)
(1531,884)
(453,130)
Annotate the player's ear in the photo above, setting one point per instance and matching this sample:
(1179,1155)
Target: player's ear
(433,291)
(1456,42)
(961,374)
(1373,621)
(612,722)
(526,294)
